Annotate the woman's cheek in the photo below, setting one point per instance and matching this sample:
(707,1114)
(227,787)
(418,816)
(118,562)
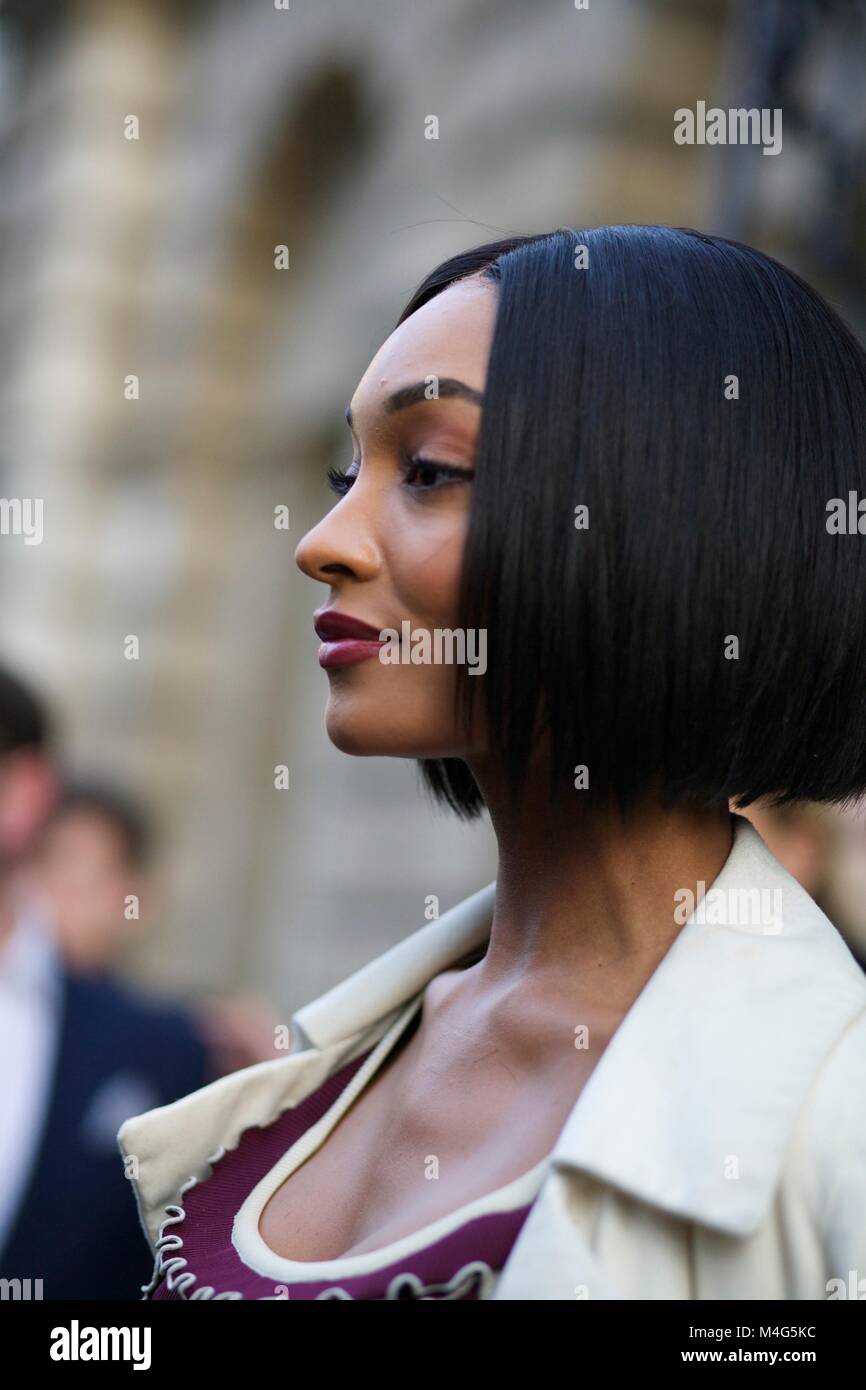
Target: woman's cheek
(425,564)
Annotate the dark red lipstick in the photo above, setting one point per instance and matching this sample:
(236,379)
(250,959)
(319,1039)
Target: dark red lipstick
(345,640)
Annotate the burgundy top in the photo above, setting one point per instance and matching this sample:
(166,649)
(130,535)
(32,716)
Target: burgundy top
(196,1258)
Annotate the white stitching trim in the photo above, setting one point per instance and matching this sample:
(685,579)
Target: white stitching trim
(476,1272)
(178,1277)
(175,1213)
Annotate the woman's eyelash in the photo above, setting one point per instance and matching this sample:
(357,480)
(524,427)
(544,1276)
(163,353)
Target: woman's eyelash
(340,482)
(447,472)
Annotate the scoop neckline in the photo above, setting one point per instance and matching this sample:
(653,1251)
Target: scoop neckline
(251,1246)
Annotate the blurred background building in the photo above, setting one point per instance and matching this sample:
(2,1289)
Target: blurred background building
(165,387)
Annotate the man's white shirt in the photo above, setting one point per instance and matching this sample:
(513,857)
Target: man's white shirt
(30,993)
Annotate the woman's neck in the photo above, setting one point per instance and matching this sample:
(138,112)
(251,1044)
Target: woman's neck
(582,892)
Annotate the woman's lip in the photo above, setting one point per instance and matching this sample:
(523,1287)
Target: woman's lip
(346,651)
(333,627)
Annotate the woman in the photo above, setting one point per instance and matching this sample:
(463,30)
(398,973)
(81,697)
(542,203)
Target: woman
(605,459)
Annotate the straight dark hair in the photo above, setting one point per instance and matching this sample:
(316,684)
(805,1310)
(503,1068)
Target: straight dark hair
(705,634)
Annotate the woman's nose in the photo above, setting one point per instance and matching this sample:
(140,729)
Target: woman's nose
(338,544)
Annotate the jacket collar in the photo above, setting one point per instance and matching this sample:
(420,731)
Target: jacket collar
(389,981)
(692,1103)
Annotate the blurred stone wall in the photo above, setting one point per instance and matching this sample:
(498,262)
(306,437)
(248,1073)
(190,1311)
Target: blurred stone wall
(154,256)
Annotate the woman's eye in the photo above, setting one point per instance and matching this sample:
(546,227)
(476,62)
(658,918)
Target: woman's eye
(419,475)
(424,475)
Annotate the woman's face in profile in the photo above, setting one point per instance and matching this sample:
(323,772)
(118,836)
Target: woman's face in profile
(391,549)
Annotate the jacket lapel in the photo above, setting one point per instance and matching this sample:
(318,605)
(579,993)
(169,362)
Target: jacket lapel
(691,1104)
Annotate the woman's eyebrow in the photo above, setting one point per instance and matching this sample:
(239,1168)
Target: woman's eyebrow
(405,396)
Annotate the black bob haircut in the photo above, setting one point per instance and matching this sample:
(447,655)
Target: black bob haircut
(609,387)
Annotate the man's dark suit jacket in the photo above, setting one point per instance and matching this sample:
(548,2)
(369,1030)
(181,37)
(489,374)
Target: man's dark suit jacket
(77,1227)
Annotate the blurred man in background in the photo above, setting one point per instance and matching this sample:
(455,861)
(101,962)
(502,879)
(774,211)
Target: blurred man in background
(90,875)
(79,1052)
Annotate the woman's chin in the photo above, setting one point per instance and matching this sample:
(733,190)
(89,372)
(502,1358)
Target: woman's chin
(364,735)
(370,733)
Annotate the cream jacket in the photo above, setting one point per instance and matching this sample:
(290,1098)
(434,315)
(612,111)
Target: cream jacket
(718,1149)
